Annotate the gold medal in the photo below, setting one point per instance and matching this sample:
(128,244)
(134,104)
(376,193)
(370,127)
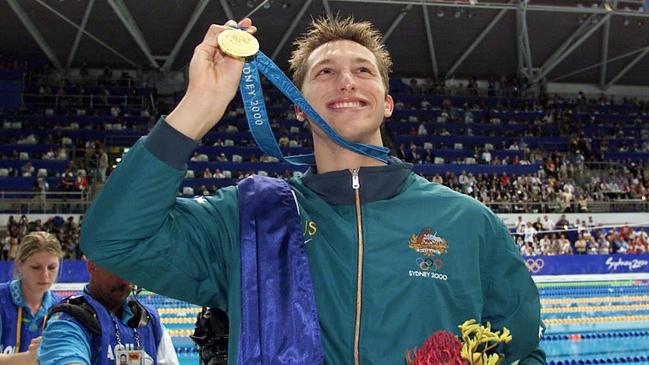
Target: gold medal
(238,43)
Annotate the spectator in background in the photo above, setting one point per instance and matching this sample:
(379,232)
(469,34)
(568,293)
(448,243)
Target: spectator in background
(520,225)
(555,245)
(13,249)
(527,249)
(11,225)
(545,245)
(102,164)
(580,226)
(566,200)
(590,222)
(583,203)
(562,223)
(41,186)
(620,246)
(593,246)
(566,248)
(580,244)
(529,233)
(641,240)
(68,181)
(27,170)
(6,246)
(547,223)
(625,232)
(604,245)
(218,174)
(82,183)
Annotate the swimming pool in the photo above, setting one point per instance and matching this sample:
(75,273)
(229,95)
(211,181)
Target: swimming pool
(588,322)
(596,322)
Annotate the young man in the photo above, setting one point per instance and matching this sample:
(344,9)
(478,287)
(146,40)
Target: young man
(392,257)
(105,326)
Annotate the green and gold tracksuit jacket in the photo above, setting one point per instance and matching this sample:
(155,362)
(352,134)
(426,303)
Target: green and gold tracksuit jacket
(393,257)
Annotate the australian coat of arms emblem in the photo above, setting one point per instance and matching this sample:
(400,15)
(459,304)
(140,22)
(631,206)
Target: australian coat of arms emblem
(428,243)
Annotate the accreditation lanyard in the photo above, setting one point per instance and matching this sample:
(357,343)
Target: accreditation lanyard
(258,121)
(19,325)
(118,337)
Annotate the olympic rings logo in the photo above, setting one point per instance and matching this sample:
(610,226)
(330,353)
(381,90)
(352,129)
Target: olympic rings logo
(427,263)
(534,265)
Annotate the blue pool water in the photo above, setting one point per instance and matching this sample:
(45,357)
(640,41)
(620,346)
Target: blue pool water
(603,322)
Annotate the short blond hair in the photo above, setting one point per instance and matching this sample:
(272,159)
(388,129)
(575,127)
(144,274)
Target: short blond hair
(36,242)
(325,30)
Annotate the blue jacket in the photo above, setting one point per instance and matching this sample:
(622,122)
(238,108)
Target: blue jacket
(11,299)
(102,347)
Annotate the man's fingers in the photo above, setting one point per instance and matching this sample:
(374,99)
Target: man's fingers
(246,23)
(212,35)
(214,30)
(209,50)
(33,345)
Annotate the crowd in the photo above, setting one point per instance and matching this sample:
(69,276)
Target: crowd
(567,182)
(503,193)
(66,231)
(561,185)
(92,160)
(545,237)
(542,236)
(563,189)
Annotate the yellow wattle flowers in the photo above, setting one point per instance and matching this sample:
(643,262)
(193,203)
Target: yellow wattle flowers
(477,340)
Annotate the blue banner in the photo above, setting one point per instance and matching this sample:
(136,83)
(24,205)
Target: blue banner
(586,264)
(74,271)
(71,271)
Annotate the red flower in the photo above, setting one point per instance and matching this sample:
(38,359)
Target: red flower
(441,348)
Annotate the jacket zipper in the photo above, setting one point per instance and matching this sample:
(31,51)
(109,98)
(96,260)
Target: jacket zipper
(359,271)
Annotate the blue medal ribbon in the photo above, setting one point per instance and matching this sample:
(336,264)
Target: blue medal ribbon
(279,316)
(258,121)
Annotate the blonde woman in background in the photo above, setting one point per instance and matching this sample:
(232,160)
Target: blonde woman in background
(24,302)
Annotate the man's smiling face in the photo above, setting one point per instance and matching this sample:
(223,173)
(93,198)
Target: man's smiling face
(344,86)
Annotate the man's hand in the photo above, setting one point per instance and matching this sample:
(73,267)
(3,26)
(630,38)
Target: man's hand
(213,82)
(22,358)
(33,347)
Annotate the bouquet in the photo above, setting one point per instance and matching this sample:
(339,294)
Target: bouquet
(472,348)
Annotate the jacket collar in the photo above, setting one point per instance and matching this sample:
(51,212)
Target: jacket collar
(376,182)
(19,300)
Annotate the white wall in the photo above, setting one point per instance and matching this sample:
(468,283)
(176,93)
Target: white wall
(598,218)
(509,219)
